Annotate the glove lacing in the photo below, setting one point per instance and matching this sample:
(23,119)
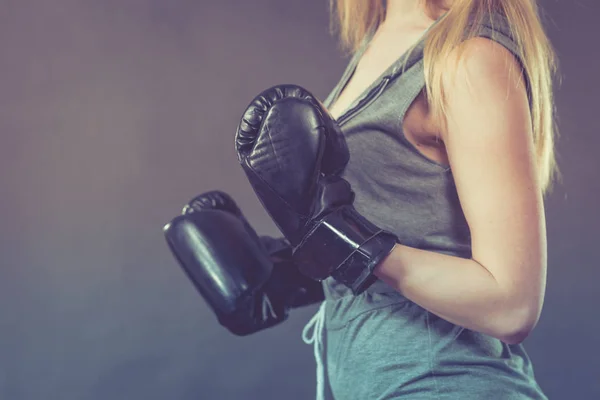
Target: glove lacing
(316,325)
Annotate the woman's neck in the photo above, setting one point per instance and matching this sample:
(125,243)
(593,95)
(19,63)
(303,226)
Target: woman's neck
(409,12)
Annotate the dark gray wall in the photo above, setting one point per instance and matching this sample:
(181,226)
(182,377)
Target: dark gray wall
(113,113)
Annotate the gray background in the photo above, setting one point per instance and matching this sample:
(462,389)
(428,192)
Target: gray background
(114,113)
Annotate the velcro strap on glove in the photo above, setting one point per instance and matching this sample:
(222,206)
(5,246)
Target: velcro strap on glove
(346,246)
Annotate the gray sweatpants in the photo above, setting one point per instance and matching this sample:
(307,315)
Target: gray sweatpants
(383,346)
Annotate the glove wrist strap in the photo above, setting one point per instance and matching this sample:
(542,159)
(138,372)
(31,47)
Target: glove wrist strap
(346,246)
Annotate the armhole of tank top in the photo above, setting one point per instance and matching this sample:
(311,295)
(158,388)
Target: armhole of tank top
(411,92)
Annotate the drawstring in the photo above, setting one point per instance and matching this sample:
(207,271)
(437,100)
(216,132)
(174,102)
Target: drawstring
(316,324)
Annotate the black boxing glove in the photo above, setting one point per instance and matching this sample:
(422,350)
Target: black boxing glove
(249,282)
(293,153)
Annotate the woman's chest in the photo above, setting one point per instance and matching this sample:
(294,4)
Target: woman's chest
(382,53)
(417,123)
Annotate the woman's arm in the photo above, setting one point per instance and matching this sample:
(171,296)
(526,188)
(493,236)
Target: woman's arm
(488,138)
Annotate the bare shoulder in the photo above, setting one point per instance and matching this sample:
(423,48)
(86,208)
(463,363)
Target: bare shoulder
(482,77)
(484,61)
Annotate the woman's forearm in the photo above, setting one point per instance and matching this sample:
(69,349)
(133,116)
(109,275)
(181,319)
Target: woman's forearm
(462,291)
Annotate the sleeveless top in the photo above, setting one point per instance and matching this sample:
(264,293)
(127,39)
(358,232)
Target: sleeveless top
(380,345)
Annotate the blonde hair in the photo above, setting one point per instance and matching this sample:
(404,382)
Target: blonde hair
(355,19)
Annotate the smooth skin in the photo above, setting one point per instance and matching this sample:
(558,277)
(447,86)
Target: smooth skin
(488,144)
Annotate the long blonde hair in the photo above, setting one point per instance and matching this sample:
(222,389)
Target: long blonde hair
(354,19)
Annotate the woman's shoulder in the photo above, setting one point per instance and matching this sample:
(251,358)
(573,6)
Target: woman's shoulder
(495,27)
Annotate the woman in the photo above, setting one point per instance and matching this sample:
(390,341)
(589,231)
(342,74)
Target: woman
(447,110)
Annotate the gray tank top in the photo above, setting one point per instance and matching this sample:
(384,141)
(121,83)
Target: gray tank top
(380,344)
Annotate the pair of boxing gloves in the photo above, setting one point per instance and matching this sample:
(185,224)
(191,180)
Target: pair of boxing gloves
(293,154)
